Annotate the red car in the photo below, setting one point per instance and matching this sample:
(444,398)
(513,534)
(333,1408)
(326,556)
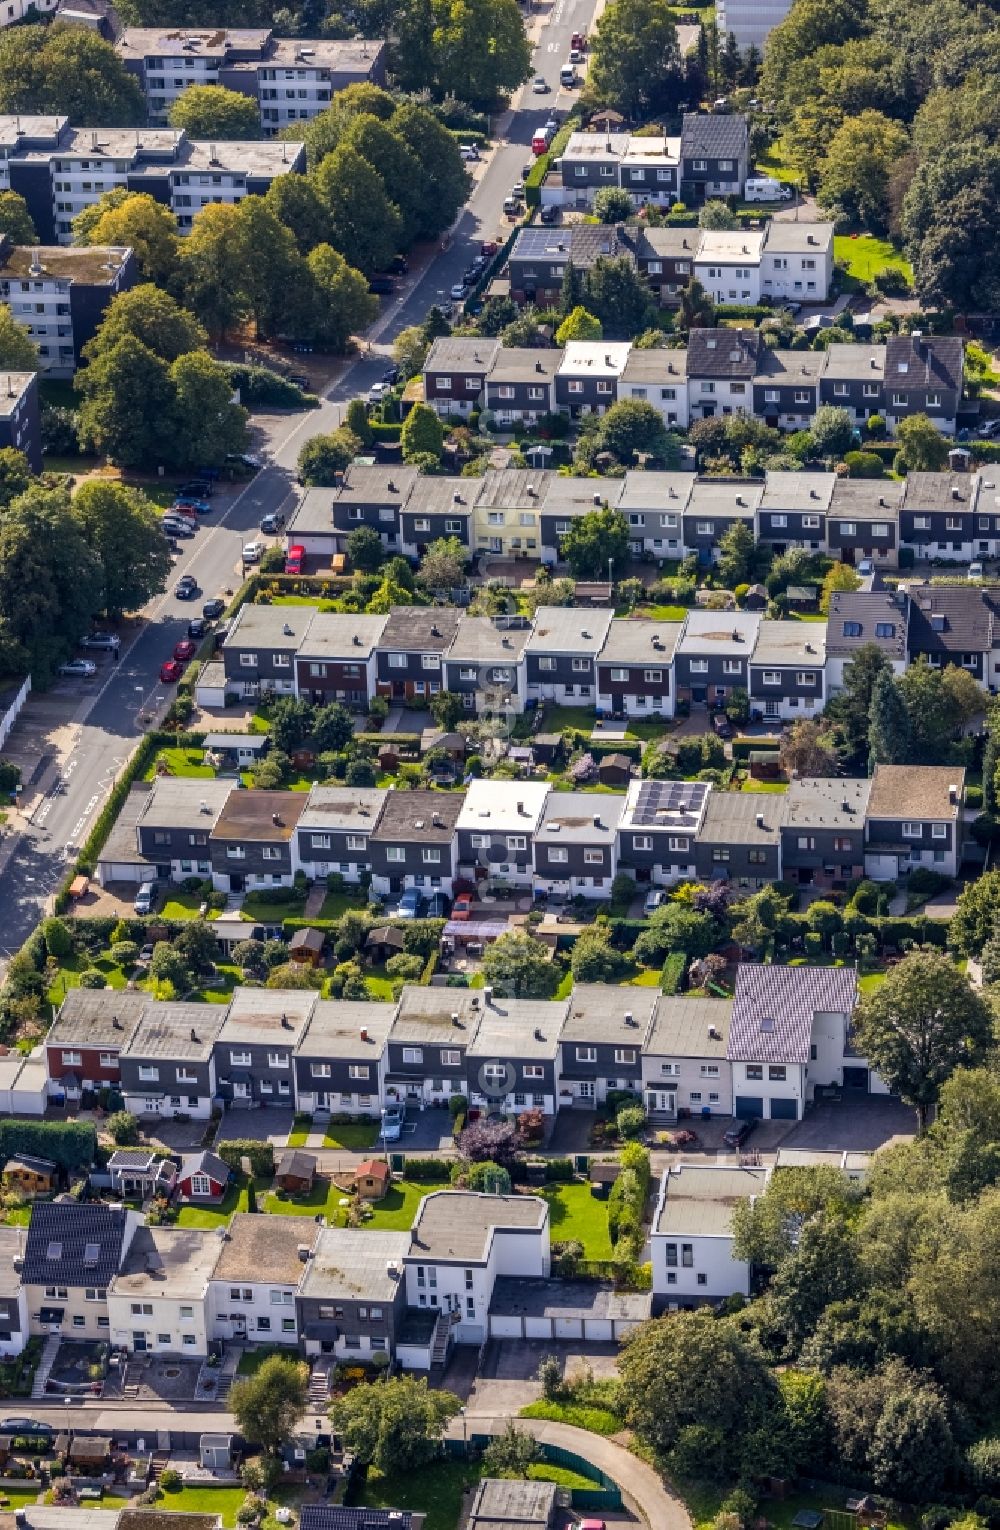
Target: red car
(185,650)
(462,907)
(171,671)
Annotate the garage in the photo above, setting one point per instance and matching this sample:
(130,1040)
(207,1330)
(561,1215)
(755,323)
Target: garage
(569,1328)
(784,1110)
(748,1107)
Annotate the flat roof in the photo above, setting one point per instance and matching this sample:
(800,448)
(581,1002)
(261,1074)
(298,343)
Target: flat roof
(169,1262)
(698,1199)
(459,1224)
(690,1027)
(334,1030)
(352,1263)
(261,1248)
(597,1012)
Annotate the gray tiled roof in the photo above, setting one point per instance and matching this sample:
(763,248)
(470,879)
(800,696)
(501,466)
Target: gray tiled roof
(78,1243)
(773,1009)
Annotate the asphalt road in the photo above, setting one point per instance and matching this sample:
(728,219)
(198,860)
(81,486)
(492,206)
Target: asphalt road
(108,717)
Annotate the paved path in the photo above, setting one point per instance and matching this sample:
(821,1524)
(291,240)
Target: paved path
(642,1490)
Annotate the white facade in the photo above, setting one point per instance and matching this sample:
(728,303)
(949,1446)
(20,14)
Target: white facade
(691,1241)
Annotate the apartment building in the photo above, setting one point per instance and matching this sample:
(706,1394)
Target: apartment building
(292,79)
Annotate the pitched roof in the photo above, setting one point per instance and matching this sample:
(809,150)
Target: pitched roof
(81,1243)
(773,1009)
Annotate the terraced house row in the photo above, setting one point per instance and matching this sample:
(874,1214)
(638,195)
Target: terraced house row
(516,513)
(763,1053)
(719,372)
(824,832)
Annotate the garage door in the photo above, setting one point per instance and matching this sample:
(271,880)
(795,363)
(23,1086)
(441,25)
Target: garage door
(569,1328)
(784,1110)
(537,1328)
(749,1107)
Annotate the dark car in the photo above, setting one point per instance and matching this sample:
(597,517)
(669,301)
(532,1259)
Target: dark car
(382,286)
(201,488)
(213,609)
(187,588)
(738,1134)
(197,627)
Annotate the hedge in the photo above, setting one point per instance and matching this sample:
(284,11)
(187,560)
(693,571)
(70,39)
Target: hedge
(70,1144)
(672,975)
(260,1154)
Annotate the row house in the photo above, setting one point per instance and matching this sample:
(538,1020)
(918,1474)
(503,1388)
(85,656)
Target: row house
(59,296)
(292,80)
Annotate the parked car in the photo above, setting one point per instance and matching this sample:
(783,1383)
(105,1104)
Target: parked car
(78,669)
(462,908)
(104,642)
(197,627)
(171,671)
(411,904)
(272,522)
(253,552)
(738,1134)
(202,488)
(184,650)
(186,587)
(654,899)
(213,609)
(144,899)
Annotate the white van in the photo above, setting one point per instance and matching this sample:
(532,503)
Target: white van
(567,76)
(764,188)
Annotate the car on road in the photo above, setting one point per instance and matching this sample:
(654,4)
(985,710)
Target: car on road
(458,292)
(738,1134)
(213,609)
(199,506)
(468,151)
(78,669)
(272,522)
(197,627)
(178,526)
(144,899)
(201,488)
(410,904)
(186,587)
(171,670)
(548,215)
(654,899)
(463,906)
(105,642)
(539,85)
(253,552)
(184,650)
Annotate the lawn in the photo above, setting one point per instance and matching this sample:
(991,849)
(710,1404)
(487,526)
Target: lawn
(597,1420)
(205,1500)
(188,763)
(235,1199)
(575,1214)
(749,785)
(438,1491)
(351,1136)
(864,256)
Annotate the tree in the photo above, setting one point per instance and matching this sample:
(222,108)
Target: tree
(921,1024)
(737,547)
(476,50)
(596,544)
(922,447)
(976,915)
(396,1426)
(839,576)
(211,268)
(717,215)
(15,219)
(422,433)
(520,967)
(17,350)
(616,292)
(207,424)
(579,325)
(50,582)
(332,727)
(210,112)
(70,71)
(633,425)
(123,529)
(695,310)
(269,1404)
(323,458)
(365,551)
(889,740)
(807,750)
(635,62)
(859,162)
(612,204)
(151,316)
(363,223)
(832,430)
(442,567)
(136,221)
